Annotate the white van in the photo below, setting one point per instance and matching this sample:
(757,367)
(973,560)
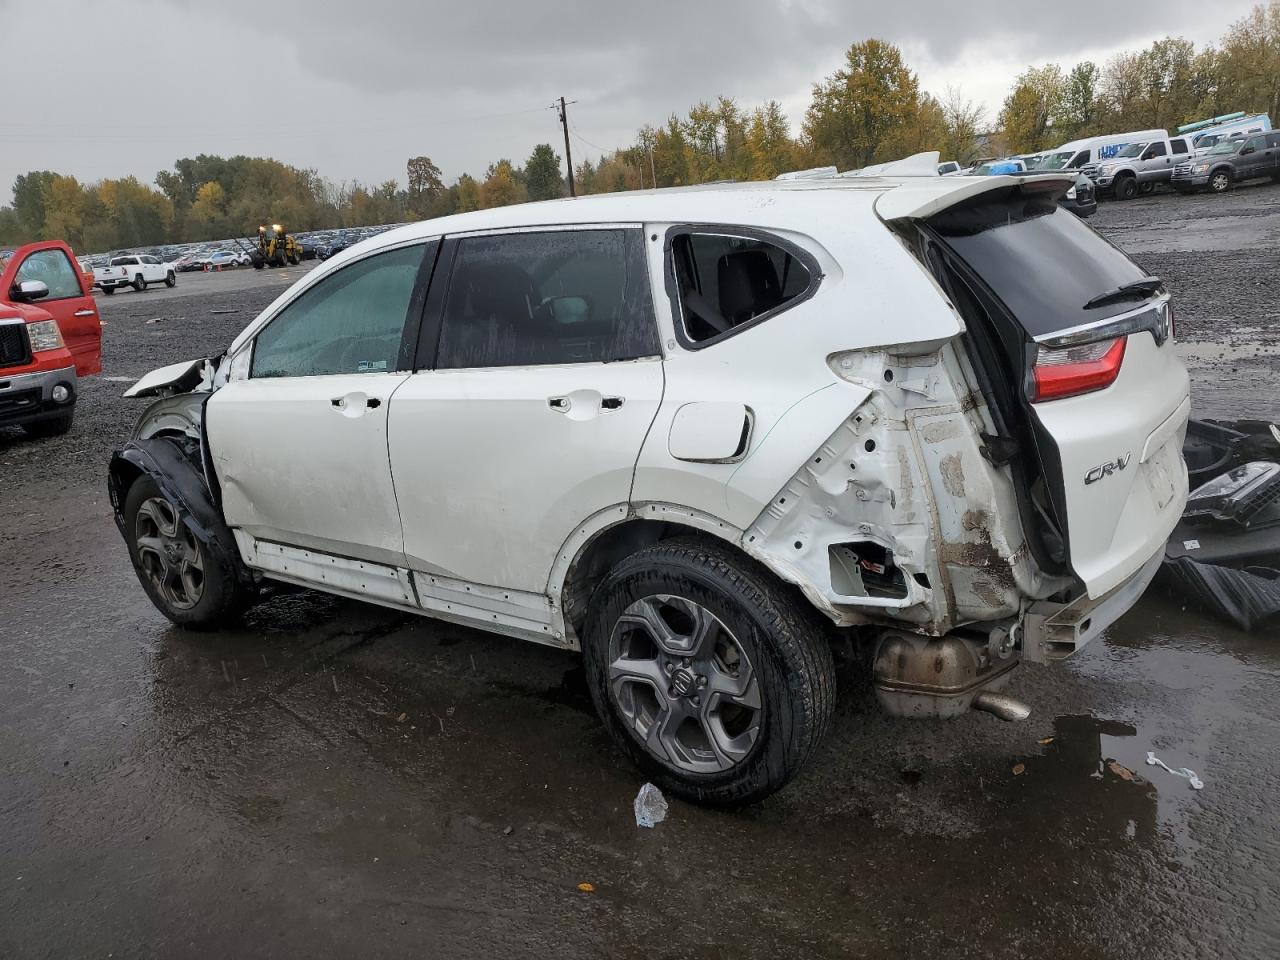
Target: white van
(1093,150)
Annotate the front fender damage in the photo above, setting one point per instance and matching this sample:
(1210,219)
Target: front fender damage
(174,463)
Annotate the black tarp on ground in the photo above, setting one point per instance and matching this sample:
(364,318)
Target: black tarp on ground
(1245,597)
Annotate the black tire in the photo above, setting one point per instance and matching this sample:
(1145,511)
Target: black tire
(787,654)
(1148,188)
(1126,188)
(1220,180)
(139,283)
(171,279)
(109,291)
(259,264)
(221,598)
(54,427)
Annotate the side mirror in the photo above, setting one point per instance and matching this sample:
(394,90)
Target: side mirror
(1247,150)
(569,310)
(29,290)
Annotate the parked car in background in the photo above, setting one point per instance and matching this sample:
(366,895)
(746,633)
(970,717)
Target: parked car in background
(948,167)
(1081,199)
(224,260)
(1206,134)
(188,263)
(50,336)
(1090,151)
(1230,162)
(760,473)
(994,168)
(1139,167)
(134,270)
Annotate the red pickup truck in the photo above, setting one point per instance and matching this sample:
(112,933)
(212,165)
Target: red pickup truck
(50,335)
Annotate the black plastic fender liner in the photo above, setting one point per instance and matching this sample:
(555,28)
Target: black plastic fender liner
(1245,597)
(178,474)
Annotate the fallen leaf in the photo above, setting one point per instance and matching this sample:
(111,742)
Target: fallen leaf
(402,718)
(587,887)
(1123,772)
(1018,768)
(1045,742)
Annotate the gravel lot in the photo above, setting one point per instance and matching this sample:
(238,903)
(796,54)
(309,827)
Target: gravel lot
(336,779)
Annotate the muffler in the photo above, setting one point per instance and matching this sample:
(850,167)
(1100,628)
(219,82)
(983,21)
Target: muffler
(942,677)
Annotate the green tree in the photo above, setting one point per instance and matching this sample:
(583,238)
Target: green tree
(29,198)
(425,185)
(468,194)
(961,126)
(1250,61)
(1079,108)
(542,174)
(858,110)
(1030,107)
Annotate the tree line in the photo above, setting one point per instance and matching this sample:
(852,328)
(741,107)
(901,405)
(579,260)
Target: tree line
(870,110)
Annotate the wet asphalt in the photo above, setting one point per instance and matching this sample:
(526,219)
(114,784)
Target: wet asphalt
(334,779)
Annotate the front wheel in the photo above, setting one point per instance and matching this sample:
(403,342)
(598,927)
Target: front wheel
(712,675)
(186,581)
(170,279)
(1220,181)
(1126,188)
(139,283)
(109,291)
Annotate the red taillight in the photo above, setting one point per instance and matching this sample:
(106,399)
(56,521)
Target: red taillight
(1071,371)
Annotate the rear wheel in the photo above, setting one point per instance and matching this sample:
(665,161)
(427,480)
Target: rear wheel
(53,427)
(170,279)
(714,677)
(1126,188)
(1220,181)
(109,291)
(1146,188)
(184,579)
(139,283)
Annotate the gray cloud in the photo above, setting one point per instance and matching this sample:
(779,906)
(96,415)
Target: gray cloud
(353,89)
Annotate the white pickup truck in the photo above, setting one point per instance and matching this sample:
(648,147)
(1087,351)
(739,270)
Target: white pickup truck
(134,270)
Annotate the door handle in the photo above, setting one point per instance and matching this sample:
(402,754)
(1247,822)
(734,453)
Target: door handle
(340,403)
(84,313)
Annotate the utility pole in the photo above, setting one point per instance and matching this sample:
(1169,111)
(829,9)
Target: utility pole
(568,157)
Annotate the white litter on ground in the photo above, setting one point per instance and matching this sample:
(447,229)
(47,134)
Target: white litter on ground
(650,806)
(1189,774)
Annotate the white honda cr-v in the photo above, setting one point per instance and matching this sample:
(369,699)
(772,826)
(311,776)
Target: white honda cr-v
(697,435)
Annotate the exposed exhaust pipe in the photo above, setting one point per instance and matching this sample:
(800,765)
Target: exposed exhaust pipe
(1000,705)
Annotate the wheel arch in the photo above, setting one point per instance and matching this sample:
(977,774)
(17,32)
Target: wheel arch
(613,534)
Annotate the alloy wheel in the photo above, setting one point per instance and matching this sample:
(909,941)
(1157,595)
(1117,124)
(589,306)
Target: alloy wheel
(170,556)
(684,685)
(1220,182)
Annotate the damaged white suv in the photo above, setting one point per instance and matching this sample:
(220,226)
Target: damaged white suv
(697,435)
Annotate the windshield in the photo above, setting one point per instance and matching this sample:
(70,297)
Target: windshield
(1056,161)
(1132,150)
(1038,258)
(1226,146)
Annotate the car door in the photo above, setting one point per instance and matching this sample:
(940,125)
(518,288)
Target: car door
(69,301)
(1154,163)
(1253,159)
(298,435)
(533,401)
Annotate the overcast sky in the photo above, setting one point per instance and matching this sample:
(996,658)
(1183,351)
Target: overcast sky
(354,88)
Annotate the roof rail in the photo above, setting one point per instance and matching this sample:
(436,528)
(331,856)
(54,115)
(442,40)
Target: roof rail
(813,173)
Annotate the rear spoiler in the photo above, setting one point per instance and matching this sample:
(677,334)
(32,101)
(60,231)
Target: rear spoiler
(919,199)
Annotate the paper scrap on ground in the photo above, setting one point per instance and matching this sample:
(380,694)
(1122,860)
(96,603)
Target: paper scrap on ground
(1196,782)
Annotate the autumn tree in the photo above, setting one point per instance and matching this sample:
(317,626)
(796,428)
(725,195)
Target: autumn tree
(542,176)
(425,185)
(862,106)
(961,125)
(768,146)
(1030,108)
(1250,61)
(502,186)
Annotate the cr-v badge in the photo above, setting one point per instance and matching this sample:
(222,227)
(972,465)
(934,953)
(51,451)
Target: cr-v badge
(1108,468)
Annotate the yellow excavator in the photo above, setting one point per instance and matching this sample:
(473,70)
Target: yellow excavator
(275,248)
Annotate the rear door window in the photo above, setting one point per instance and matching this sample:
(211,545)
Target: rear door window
(1039,259)
(548,297)
(727,281)
(1179,145)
